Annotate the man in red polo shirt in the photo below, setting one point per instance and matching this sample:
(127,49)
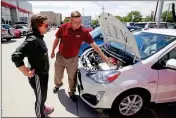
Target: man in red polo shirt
(71,35)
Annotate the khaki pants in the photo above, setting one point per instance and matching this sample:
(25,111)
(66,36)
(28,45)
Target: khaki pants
(71,66)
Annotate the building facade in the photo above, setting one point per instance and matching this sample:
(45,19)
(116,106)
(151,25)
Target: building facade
(15,11)
(53,18)
(58,18)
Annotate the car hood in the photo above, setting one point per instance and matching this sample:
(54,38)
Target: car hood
(114,30)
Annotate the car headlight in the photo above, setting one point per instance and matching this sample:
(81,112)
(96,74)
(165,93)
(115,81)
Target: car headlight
(104,77)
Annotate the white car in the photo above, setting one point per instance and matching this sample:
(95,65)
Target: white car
(9,29)
(5,34)
(144,69)
(148,25)
(24,29)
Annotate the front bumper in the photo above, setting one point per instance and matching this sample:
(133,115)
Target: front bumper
(88,90)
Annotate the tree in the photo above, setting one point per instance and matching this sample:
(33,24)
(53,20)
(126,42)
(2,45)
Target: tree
(147,19)
(167,15)
(66,19)
(94,22)
(133,16)
(173,12)
(120,18)
(125,19)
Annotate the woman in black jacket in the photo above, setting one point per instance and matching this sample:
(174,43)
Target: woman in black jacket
(34,48)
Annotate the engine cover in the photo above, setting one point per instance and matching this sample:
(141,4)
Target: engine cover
(105,66)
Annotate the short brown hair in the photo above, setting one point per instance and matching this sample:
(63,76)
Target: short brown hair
(75,14)
(36,21)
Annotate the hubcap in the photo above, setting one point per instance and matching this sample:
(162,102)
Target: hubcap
(130,105)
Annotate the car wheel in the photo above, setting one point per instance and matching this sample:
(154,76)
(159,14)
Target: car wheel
(8,39)
(24,33)
(128,104)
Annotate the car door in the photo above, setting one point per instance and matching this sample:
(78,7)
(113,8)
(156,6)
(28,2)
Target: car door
(166,91)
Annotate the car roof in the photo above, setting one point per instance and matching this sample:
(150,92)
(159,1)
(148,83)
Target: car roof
(170,32)
(134,27)
(151,22)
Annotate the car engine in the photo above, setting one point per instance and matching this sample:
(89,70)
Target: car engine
(91,61)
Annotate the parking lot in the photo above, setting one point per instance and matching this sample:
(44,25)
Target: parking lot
(18,98)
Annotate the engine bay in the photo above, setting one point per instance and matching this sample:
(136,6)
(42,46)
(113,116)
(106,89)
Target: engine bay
(92,61)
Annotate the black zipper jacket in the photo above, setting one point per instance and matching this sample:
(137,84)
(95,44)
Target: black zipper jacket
(34,48)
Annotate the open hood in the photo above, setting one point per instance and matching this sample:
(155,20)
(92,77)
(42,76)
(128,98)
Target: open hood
(114,30)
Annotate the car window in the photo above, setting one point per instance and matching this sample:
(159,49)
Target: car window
(140,25)
(19,27)
(163,25)
(6,26)
(171,26)
(152,25)
(170,55)
(131,24)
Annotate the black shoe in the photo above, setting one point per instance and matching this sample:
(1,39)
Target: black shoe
(73,97)
(55,89)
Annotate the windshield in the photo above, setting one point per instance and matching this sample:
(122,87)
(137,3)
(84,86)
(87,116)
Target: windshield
(6,26)
(96,32)
(140,25)
(150,43)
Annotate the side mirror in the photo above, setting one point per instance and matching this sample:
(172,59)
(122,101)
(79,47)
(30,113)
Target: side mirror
(171,63)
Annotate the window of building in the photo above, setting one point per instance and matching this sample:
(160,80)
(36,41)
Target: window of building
(6,15)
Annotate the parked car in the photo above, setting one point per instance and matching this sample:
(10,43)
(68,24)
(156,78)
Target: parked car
(95,26)
(21,23)
(143,69)
(98,38)
(134,28)
(129,23)
(17,33)
(10,30)
(24,29)
(88,27)
(5,34)
(147,25)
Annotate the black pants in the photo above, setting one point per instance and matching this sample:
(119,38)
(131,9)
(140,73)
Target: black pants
(40,85)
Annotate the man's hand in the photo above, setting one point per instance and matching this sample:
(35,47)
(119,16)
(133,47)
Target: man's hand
(98,50)
(56,41)
(107,60)
(52,55)
(26,71)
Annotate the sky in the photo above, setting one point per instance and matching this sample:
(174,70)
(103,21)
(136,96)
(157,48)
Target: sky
(94,8)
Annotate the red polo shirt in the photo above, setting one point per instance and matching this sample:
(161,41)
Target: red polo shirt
(71,40)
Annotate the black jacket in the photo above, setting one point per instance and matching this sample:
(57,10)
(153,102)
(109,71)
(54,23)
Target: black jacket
(34,48)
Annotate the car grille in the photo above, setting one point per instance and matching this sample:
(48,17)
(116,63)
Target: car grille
(90,98)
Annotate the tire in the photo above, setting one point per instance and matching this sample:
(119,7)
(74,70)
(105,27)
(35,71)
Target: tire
(122,105)
(24,33)
(8,39)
